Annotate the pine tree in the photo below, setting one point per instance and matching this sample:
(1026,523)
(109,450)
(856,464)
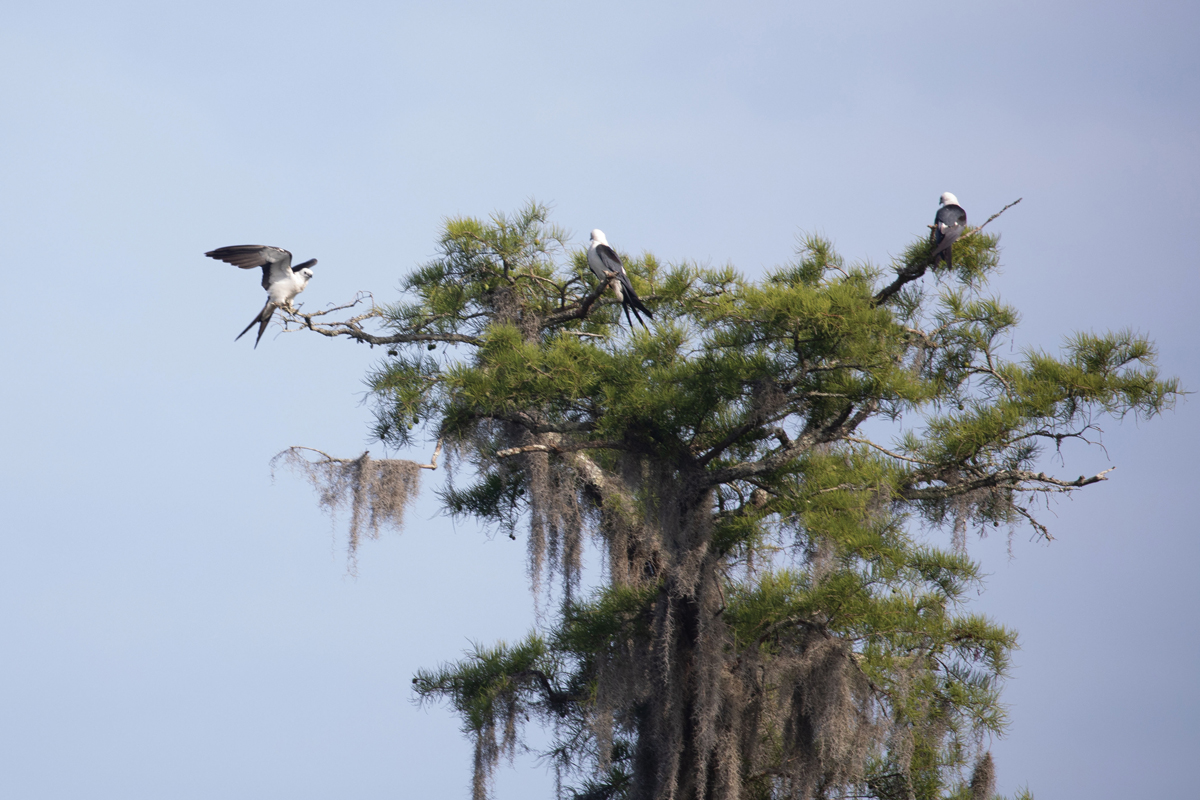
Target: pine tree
(773,621)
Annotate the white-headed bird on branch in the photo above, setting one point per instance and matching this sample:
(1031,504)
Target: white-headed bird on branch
(606,265)
(281,280)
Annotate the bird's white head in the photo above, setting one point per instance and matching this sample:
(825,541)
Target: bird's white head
(598,237)
(303,272)
(948,199)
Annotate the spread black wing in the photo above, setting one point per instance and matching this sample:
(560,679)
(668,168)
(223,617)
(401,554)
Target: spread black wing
(275,261)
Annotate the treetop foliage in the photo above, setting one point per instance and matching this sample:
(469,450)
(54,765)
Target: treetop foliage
(774,621)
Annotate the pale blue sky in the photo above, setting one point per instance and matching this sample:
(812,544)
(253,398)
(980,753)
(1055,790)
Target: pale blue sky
(177,625)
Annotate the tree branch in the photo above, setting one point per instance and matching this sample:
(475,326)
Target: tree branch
(786,452)
(352,327)
(887,452)
(1006,478)
(993,216)
(730,438)
(569,447)
(433,461)
(555,697)
(329,458)
(1037,526)
(334,460)
(577,310)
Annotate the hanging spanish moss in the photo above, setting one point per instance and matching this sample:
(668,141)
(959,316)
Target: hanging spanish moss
(376,492)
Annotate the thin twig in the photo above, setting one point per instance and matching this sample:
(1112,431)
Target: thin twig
(887,452)
(998,213)
(328,457)
(1037,526)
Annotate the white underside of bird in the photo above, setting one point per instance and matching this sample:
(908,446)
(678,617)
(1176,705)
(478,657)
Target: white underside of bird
(284,290)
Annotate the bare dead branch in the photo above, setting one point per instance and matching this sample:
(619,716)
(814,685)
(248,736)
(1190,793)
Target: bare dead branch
(563,447)
(1037,526)
(352,327)
(335,460)
(844,487)
(358,298)
(1012,479)
(529,448)
(993,216)
(329,458)
(433,461)
(927,340)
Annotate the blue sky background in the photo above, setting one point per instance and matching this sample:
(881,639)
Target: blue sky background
(178,625)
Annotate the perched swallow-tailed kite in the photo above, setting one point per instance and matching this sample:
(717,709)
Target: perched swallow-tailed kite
(281,280)
(604,260)
(948,225)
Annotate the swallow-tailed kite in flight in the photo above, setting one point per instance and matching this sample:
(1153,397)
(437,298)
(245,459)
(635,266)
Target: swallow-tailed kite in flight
(948,225)
(281,280)
(606,265)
